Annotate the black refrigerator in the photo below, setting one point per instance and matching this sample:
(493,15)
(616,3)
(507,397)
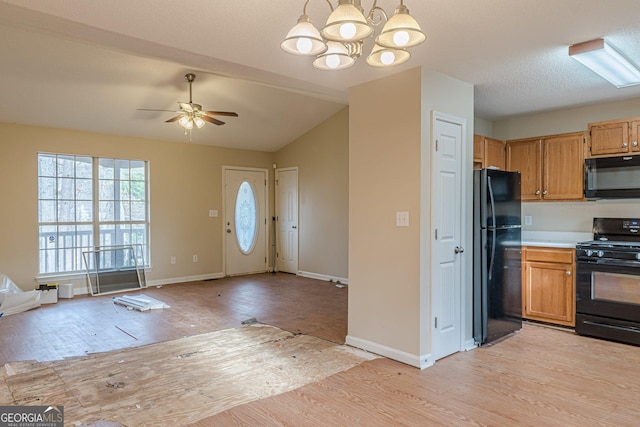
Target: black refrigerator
(497,249)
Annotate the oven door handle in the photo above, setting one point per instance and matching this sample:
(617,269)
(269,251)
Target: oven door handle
(607,262)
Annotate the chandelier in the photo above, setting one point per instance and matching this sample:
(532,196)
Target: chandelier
(339,44)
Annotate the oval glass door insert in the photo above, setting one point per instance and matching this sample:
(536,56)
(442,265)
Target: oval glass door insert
(246,219)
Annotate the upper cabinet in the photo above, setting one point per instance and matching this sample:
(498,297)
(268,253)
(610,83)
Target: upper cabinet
(551,167)
(488,153)
(613,137)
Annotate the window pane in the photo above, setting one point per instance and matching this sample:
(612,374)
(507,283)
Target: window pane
(107,210)
(46,188)
(84,167)
(66,188)
(122,169)
(106,168)
(106,190)
(246,217)
(84,236)
(48,262)
(84,189)
(124,190)
(66,211)
(47,211)
(138,211)
(66,166)
(137,170)
(108,235)
(47,165)
(84,211)
(125,211)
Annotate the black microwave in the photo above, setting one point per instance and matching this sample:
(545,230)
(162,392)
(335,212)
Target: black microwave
(612,177)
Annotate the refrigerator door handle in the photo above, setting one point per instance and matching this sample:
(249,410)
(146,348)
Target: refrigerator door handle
(492,201)
(493,253)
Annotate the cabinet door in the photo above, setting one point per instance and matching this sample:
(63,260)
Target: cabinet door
(563,166)
(549,293)
(635,136)
(609,138)
(525,156)
(478,150)
(493,153)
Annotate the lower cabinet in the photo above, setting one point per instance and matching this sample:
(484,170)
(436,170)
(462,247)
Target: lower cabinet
(548,285)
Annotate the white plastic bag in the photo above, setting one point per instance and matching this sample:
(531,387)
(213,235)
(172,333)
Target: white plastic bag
(13,299)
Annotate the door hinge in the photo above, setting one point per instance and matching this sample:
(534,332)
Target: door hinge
(436,145)
(436,323)
(436,234)
(265,182)
(265,260)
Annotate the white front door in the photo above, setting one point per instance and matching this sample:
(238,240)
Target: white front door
(245,221)
(287,219)
(446,248)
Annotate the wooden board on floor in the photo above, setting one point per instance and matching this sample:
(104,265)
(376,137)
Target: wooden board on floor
(180,381)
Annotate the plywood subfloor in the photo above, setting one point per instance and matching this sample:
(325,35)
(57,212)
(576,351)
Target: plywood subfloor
(179,381)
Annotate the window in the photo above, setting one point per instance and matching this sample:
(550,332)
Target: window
(246,218)
(84,202)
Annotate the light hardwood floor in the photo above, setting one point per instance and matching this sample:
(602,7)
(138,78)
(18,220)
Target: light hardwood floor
(538,377)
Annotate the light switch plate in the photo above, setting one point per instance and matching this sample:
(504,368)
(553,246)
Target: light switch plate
(402,219)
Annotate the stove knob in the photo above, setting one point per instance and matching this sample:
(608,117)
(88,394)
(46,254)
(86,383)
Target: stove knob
(638,255)
(589,252)
(600,254)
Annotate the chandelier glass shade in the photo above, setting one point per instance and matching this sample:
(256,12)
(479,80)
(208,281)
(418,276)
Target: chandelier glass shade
(340,42)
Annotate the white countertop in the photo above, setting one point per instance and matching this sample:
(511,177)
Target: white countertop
(554,239)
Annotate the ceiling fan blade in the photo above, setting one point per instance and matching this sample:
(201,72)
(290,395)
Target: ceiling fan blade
(221,113)
(212,120)
(150,109)
(173,119)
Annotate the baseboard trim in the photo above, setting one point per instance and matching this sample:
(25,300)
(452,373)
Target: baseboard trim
(175,280)
(324,277)
(470,344)
(416,361)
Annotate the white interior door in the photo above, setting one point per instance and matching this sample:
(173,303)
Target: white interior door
(287,219)
(446,248)
(245,221)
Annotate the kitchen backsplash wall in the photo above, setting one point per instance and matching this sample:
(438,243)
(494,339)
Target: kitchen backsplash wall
(575,216)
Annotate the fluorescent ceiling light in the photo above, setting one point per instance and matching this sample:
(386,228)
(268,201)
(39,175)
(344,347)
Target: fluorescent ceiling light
(604,60)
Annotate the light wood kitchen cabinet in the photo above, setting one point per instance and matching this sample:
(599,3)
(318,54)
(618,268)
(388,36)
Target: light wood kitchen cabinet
(613,137)
(488,153)
(548,285)
(551,167)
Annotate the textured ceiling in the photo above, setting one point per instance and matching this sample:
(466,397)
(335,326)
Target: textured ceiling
(88,65)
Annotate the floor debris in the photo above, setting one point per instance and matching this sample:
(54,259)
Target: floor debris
(251,321)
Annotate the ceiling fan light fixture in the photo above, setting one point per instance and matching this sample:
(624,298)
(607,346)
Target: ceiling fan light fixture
(304,39)
(401,31)
(186,122)
(603,59)
(346,24)
(198,122)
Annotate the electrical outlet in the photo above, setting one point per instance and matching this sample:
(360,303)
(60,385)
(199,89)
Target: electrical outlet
(528,220)
(195,258)
(173,260)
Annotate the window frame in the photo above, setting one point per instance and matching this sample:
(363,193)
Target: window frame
(97,222)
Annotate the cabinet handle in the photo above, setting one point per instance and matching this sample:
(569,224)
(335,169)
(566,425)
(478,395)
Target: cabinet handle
(544,193)
(624,145)
(568,273)
(635,143)
(537,192)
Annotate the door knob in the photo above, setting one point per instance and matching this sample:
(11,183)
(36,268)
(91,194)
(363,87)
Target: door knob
(228,230)
(544,193)
(537,192)
(624,145)
(635,143)
(294,226)
(458,250)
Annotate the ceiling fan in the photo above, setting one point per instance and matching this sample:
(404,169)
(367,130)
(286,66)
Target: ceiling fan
(191,114)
